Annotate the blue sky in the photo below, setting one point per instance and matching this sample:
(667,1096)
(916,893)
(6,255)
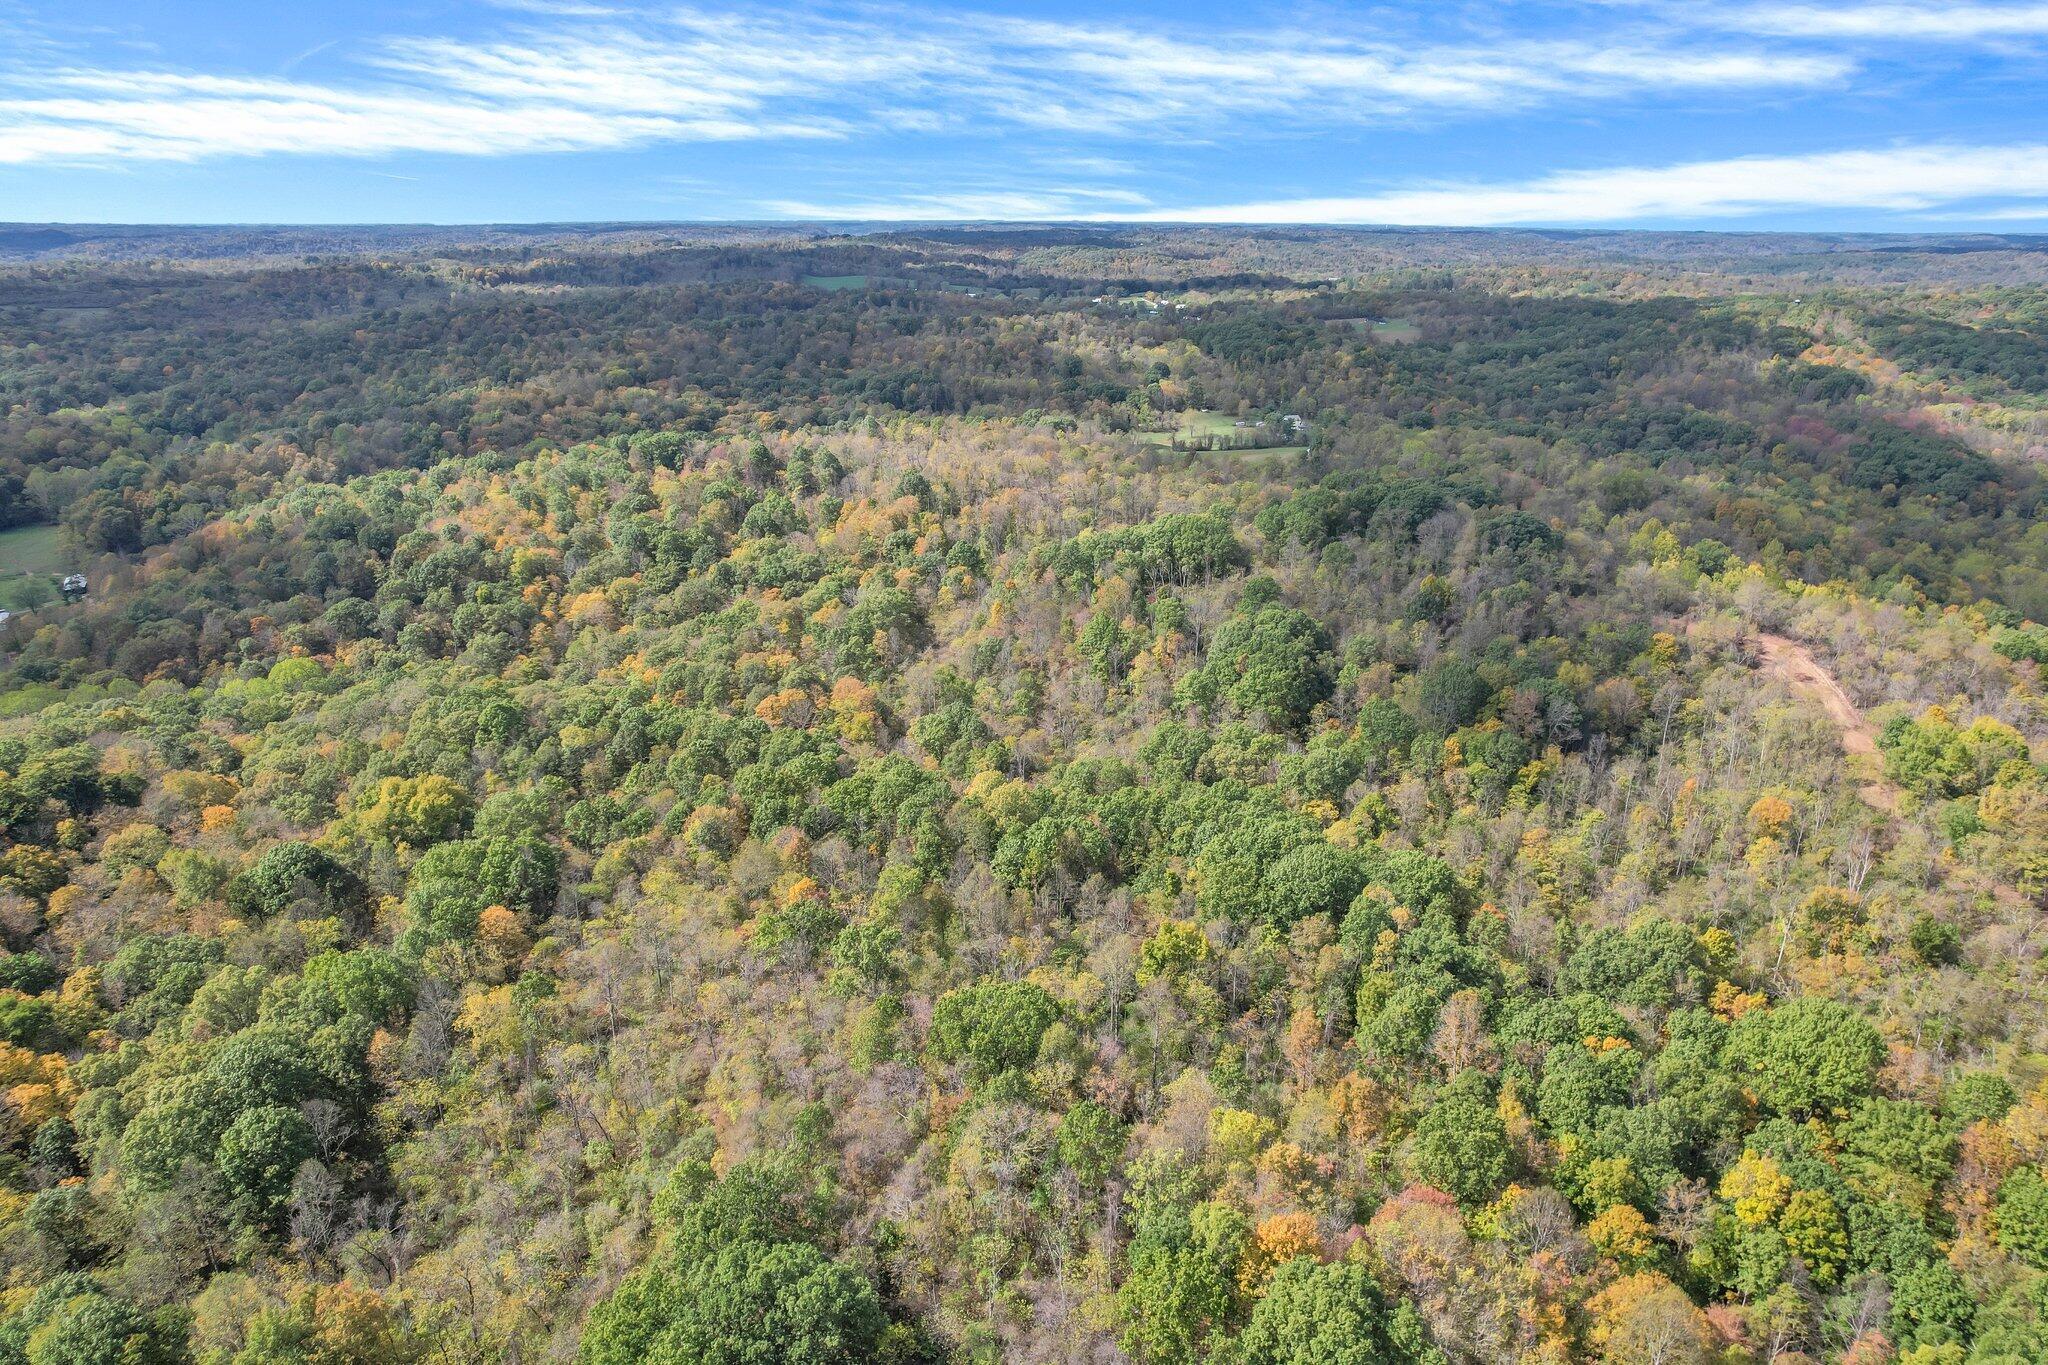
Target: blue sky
(1610,113)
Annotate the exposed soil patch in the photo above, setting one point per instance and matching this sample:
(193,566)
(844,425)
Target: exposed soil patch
(1794,665)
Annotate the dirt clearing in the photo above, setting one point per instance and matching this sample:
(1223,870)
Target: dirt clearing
(1794,665)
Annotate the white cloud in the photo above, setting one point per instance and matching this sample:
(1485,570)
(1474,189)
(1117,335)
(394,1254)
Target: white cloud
(1900,179)
(984,205)
(1089,165)
(1098,78)
(2022,213)
(1903,23)
(162,117)
(688,79)
(587,80)
(694,64)
(556,8)
(1973,182)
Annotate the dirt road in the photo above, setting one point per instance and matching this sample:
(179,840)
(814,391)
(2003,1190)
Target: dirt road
(1794,665)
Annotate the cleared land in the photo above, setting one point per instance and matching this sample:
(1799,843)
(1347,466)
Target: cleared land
(1394,331)
(1197,428)
(30,549)
(1793,664)
(29,555)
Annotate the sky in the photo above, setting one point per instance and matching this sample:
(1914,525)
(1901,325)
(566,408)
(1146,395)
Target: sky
(1729,114)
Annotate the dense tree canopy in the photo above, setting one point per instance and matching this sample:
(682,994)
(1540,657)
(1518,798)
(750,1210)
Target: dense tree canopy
(612,804)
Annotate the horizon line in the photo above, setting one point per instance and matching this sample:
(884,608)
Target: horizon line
(904,224)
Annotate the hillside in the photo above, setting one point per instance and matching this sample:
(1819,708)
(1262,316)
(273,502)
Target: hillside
(608,804)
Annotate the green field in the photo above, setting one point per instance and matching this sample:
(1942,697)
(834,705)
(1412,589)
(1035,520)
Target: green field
(30,549)
(835,282)
(1393,331)
(29,555)
(1203,425)
(1198,425)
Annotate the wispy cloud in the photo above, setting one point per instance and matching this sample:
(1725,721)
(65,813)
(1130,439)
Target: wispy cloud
(558,9)
(1089,165)
(1115,79)
(972,205)
(1894,22)
(694,66)
(1983,180)
(1901,179)
(697,80)
(574,77)
(98,116)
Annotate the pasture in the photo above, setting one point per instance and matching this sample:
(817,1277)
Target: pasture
(29,555)
(1199,429)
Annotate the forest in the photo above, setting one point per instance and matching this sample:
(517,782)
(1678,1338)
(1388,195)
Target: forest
(741,797)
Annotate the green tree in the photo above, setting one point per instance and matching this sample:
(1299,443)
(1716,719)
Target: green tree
(738,1281)
(992,1026)
(1647,966)
(1183,548)
(260,1154)
(290,876)
(1314,879)
(1182,1288)
(1810,1056)
(746,1303)
(1891,1138)
(1461,1145)
(72,1320)
(267,1064)
(1091,1143)
(1448,695)
(180,1122)
(1334,1314)
(1274,662)
(1930,1304)
(2023,1216)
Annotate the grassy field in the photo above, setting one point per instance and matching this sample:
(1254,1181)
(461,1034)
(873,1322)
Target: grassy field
(30,549)
(28,556)
(1203,425)
(1199,425)
(834,282)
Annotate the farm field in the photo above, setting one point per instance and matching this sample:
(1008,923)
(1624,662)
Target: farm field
(1200,425)
(29,555)
(30,549)
(1393,331)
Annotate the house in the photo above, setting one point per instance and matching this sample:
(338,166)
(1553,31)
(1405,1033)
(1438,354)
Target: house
(73,582)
